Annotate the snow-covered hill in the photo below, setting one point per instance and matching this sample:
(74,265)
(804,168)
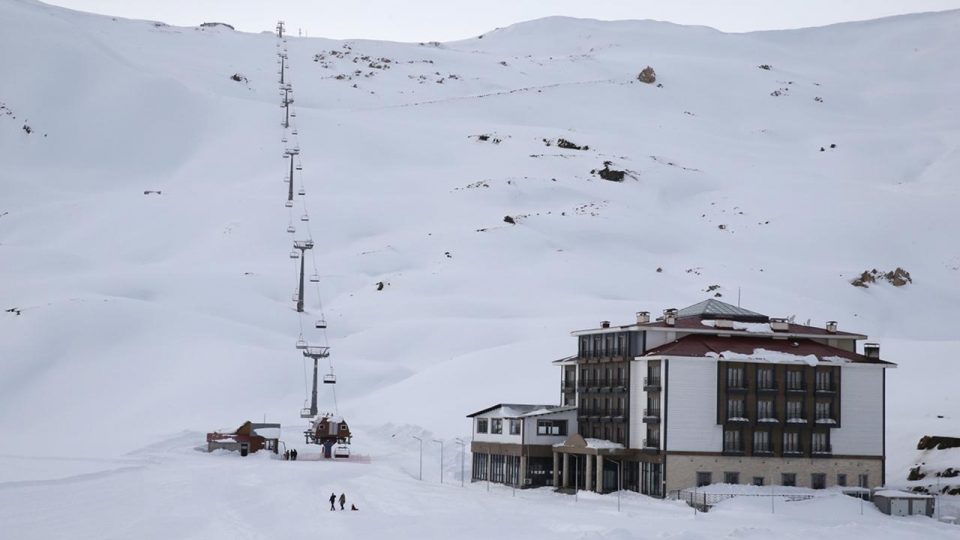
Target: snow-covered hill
(137,316)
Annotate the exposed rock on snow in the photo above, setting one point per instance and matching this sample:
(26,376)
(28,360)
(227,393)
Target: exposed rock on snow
(648,75)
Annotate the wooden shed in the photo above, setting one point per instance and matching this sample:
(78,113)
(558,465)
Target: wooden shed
(247,438)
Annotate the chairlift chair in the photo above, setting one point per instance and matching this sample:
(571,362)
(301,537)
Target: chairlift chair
(321,324)
(302,344)
(299,167)
(294,254)
(288,204)
(304,218)
(301,192)
(283,140)
(315,278)
(294,132)
(294,297)
(342,451)
(291,229)
(306,413)
(329,378)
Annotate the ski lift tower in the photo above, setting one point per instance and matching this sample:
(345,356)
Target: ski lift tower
(280,29)
(303,246)
(289,153)
(286,104)
(283,62)
(316,353)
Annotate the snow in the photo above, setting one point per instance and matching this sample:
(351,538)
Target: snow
(757,328)
(147,320)
(765,355)
(602,444)
(896,494)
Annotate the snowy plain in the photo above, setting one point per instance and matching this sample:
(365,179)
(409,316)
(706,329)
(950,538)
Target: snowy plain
(146,320)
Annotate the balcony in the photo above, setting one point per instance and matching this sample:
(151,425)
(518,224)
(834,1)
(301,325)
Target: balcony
(651,384)
(827,388)
(651,416)
(822,450)
(568,386)
(767,389)
(651,444)
(796,388)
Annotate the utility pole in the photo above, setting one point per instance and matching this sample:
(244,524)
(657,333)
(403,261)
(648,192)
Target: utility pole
(463,452)
(315,353)
(303,246)
(441,458)
(421,455)
(288,154)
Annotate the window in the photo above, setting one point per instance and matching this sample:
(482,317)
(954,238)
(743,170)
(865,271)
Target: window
(732,441)
(608,345)
(824,382)
(734,409)
(515,426)
(795,411)
(761,442)
(863,480)
(584,346)
(734,377)
(704,479)
(821,445)
(841,480)
(823,410)
(551,427)
(619,438)
(481,425)
(791,442)
(757,481)
(765,378)
(818,481)
(480,466)
(596,348)
(794,379)
(496,426)
(765,410)
(788,479)
(731,478)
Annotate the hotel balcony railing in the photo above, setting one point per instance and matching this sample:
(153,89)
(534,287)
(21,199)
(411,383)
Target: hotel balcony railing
(651,444)
(651,416)
(651,384)
(828,388)
(822,450)
(796,388)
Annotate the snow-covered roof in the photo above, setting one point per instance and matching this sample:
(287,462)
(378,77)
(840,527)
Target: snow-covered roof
(897,494)
(511,410)
(761,349)
(713,308)
(602,444)
(549,410)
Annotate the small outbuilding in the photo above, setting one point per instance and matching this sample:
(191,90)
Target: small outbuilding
(903,503)
(246,439)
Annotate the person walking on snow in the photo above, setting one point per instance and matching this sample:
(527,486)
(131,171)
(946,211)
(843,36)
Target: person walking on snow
(343,500)
(333,499)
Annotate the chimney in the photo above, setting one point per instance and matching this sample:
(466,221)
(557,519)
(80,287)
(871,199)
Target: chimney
(604,324)
(871,350)
(723,323)
(832,327)
(779,325)
(643,317)
(670,316)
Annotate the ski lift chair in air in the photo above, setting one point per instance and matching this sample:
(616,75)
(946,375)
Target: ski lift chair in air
(341,451)
(321,324)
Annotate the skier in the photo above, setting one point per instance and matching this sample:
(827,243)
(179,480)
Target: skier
(333,499)
(343,500)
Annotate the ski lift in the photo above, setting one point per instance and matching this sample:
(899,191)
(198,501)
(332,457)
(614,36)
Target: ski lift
(294,254)
(329,378)
(315,278)
(293,115)
(301,344)
(321,324)
(291,229)
(283,140)
(301,192)
(294,297)
(342,451)
(288,204)
(294,132)
(306,413)
(299,167)
(304,218)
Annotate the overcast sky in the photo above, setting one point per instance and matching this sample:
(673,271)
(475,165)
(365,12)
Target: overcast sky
(445,20)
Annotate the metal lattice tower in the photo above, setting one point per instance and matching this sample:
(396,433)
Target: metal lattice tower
(286,103)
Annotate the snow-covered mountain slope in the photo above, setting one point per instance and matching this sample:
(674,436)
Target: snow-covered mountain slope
(141,315)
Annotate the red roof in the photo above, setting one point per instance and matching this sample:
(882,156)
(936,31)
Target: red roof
(694,323)
(700,345)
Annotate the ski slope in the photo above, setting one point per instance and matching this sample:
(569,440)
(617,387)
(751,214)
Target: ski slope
(146,320)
